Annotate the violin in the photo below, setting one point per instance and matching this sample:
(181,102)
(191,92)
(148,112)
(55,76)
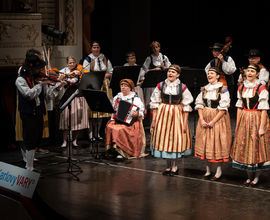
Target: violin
(225,49)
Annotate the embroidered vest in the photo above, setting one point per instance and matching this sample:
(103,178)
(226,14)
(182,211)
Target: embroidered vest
(210,103)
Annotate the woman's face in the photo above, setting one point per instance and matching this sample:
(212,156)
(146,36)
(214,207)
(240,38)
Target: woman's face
(125,89)
(172,75)
(251,74)
(71,64)
(212,77)
(95,49)
(156,49)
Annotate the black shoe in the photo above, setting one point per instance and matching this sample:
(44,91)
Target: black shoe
(100,139)
(166,172)
(214,178)
(174,173)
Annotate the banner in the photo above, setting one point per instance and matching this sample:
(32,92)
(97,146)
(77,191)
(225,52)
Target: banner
(18,179)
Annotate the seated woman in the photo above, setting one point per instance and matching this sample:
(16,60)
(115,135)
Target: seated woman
(126,139)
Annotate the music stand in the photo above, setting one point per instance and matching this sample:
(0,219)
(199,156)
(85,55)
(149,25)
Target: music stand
(69,95)
(153,77)
(123,72)
(97,101)
(92,80)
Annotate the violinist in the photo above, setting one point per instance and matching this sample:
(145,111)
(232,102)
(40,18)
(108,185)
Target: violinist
(225,65)
(31,95)
(254,57)
(79,107)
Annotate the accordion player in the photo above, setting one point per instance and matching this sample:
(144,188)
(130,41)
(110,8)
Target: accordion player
(124,132)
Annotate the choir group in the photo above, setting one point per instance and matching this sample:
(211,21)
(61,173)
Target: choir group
(169,104)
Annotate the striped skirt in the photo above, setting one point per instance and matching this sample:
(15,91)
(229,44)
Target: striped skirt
(214,144)
(168,139)
(79,115)
(249,151)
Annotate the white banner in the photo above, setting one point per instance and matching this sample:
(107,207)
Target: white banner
(18,179)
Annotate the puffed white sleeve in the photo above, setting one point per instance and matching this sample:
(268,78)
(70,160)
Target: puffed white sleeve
(239,103)
(155,98)
(109,67)
(26,91)
(139,103)
(187,99)
(144,69)
(207,68)
(224,102)
(263,100)
(264,76)
(86,64)
(199,102)
(228,66)
(167,61)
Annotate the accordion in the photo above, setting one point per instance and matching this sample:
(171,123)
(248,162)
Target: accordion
(124,112)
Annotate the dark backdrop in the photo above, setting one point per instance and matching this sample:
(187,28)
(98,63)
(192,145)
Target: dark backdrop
(185,29)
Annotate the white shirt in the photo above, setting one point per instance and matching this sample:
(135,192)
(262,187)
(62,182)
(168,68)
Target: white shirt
(99,63)
(136,101)
(211,94)
(263,95)
(172,89)
(228,67)
(33,93)
(157,61)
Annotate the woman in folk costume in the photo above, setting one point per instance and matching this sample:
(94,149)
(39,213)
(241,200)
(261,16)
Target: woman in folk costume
(156,61)
(251,145)
(213,133)
(97,61)
(170,134)
(126,139)
(79,107)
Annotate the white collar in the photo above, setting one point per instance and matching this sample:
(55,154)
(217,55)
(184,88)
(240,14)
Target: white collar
(251,85)
(174,83)
(101,56)
(130,96)
(210,87)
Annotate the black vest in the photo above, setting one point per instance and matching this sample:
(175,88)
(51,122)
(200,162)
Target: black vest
(253,101)
(171,99)
(211,103)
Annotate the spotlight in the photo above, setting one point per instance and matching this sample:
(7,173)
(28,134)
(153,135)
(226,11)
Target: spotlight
(53,32)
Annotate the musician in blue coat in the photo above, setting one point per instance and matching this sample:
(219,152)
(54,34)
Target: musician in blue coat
(126,136)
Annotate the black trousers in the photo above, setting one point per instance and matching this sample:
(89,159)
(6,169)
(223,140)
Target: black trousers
(32,129)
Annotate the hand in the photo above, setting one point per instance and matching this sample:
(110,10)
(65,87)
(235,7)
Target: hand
(185,127)
(261,132)
(61,76)
(220,56)
(203,123)
(77,72)
(153,124)
(134,114)
(140,83)
(211,124)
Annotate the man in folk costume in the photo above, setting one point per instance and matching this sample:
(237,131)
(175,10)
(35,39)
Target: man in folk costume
(225,64)
(31,105)
(255,57)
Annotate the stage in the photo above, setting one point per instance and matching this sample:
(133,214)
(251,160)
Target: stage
(136,189)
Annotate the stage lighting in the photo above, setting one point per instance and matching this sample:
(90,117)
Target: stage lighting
(53,32)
